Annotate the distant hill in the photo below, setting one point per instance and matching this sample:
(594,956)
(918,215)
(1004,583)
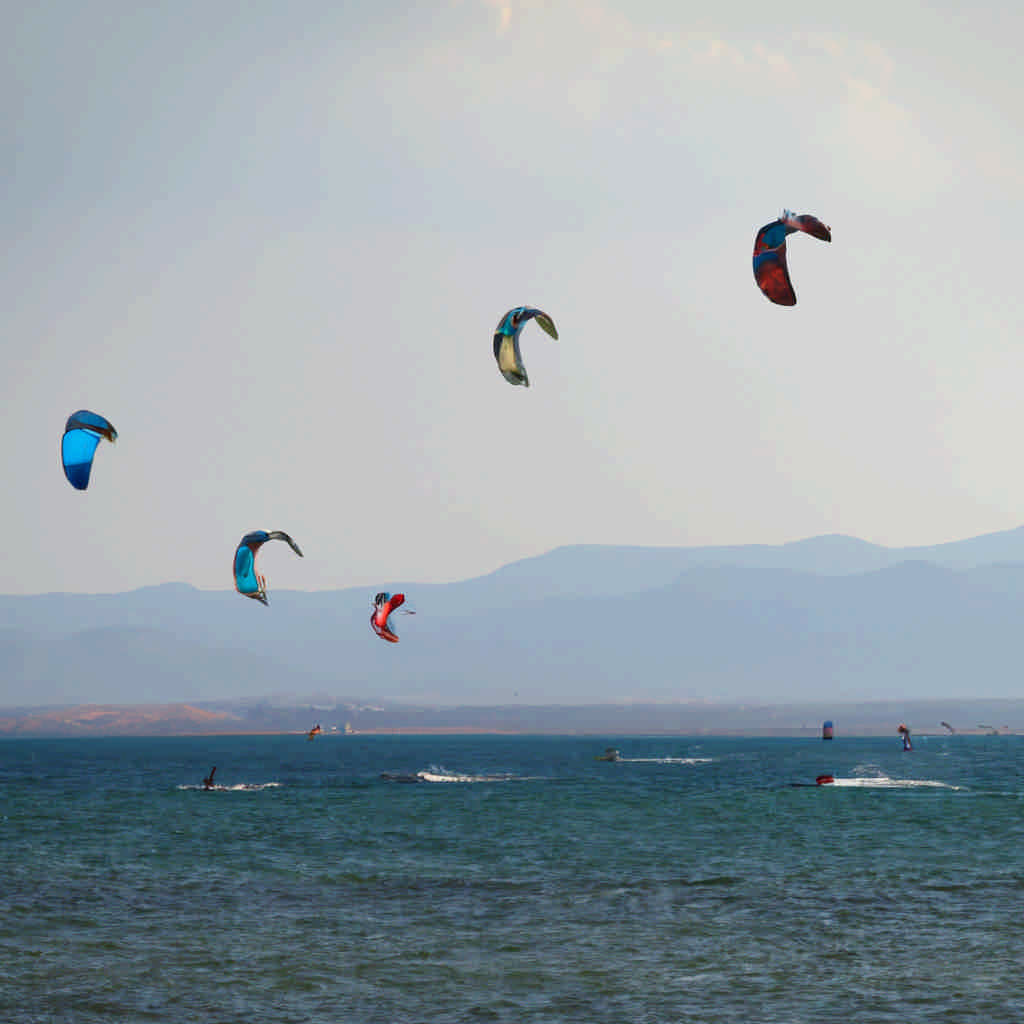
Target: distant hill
(345,720)
(131,720)
(829,618)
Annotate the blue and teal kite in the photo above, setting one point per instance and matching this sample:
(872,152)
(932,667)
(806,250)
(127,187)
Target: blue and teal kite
(82,434)
(506,341)
(247,580)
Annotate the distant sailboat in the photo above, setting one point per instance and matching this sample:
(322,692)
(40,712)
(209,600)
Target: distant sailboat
(826,730)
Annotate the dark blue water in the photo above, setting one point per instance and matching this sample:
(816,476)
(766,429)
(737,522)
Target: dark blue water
(527,882)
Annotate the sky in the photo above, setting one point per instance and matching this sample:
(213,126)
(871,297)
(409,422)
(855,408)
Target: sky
(270,242)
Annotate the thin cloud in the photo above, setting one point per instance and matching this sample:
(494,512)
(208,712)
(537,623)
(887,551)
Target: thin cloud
(504,14)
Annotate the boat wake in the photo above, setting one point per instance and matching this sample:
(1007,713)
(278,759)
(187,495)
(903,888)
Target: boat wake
(238,788)
(436,773)
(884,782)
(666,760)
(444,776)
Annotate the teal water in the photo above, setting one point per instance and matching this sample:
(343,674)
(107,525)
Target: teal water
(528,882)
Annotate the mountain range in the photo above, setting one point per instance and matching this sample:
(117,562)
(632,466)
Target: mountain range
(832,618)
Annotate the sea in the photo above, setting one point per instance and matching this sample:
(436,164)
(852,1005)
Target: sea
(388,879)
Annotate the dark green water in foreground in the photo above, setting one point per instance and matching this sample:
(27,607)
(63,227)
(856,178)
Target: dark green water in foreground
(688,883)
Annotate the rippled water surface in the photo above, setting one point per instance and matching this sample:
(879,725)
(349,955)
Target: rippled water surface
(511,879)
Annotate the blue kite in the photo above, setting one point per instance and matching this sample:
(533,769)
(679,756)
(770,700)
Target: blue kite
(82,433)
(506,341)
(247,580)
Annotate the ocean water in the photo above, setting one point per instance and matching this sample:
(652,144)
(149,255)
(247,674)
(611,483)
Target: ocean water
(518,880)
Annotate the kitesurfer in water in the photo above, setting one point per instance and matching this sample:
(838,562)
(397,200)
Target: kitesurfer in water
(208,781)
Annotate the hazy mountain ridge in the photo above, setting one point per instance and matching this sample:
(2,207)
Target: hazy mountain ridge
(346,720)
(829,616)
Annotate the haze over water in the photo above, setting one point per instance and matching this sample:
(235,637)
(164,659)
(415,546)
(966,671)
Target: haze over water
(526,882)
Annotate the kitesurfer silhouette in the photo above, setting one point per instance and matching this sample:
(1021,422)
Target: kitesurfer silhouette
(208,781)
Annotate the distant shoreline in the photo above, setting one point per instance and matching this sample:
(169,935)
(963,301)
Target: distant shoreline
(348,718)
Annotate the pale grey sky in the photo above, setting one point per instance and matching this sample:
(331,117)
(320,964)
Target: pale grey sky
(270,242)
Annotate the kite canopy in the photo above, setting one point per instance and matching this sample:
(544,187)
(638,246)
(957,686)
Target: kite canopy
(383,605)
(248,580)
(771,271)
(506,341)
(82,434)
